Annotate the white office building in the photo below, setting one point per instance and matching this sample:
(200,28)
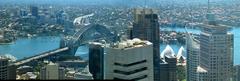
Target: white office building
(52,72)
(129,60)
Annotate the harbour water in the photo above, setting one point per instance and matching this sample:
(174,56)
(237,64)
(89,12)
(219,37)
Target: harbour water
(26,47)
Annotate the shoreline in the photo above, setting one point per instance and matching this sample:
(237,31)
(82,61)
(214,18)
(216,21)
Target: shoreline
(7,43)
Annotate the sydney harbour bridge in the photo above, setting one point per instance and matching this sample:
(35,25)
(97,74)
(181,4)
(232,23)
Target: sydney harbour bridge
(69,44)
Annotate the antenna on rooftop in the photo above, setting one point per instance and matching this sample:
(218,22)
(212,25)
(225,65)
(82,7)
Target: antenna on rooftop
(210,16)
(145,4)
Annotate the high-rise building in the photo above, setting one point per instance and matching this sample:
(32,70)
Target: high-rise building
(96,60)
(129,60)
(7,71)
(202,74)
(34,11)
(168,68)
(52,72)
(193,52)
(3,68)
(236,73)
(59,17)
(216,51)
(23,13)
(146,27)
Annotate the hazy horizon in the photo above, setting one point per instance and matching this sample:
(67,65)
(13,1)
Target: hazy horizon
(111,2)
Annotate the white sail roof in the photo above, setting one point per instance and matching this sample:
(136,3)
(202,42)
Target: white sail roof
(180,53)
(167,51)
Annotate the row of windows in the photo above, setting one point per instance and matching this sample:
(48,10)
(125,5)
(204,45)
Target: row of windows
(131,64)
(134,79)
(130,72)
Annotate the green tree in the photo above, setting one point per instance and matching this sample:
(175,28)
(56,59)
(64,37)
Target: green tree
(181,73)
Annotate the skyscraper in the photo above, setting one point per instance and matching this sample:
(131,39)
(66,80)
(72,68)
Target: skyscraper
(146,27)
(168,68)
(3,68)
(193,52)
(129,60)
(237,73)
(216,51)
(34,11)
(7,71)
(52,72)
(96,60)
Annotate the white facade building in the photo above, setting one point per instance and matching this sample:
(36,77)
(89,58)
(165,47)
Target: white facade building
(193,53)
(129,60)
(52,72)
(216,52)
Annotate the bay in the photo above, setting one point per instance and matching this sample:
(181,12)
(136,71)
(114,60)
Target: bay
(25,47)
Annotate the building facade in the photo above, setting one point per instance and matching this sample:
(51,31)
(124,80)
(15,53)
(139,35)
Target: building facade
(146,27)
(202,74)
(129,60)
(236,73)
(52,72)
(168,69)
(7,71)
(193,53)
(34,11)
(3,68)
(216,52)
(96,60)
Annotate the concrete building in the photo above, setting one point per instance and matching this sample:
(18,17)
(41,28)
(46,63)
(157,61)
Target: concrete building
(168,68)
(146,27)
(96,60)
(34,11)
(7,71)
(202,74)
(76,64)
(84,74)
(3,68)
(52,72)
(236,73)
(216,51)
(129,60)
(193,53)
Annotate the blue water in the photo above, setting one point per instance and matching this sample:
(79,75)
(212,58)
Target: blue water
(30,46)
(26,47)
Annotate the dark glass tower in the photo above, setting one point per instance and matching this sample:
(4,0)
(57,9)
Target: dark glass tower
(146,27)
(168,69)
(96,60)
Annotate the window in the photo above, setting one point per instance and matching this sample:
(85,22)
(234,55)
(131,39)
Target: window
(130,72)
(131,64)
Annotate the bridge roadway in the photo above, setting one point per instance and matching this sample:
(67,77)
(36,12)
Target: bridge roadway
(39,56)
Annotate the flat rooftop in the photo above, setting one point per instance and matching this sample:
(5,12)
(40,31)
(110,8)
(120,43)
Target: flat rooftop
(201,70)
(144,10)
(130,44)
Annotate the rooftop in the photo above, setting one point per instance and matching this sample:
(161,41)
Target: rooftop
(201,70)
(2,57)
(144,10)
(134,43)
(217,26)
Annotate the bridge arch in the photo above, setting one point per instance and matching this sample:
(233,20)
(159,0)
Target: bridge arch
(92,32)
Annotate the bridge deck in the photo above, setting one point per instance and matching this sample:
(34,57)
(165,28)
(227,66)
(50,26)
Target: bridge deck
(41,55)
